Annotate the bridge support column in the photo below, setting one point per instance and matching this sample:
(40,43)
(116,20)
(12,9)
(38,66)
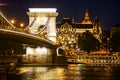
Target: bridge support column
(43,16)
(39,55)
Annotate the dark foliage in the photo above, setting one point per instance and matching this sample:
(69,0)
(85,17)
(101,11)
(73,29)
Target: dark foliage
(88,42)
(115,42)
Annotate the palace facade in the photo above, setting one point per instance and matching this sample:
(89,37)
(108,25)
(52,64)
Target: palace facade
(68,30)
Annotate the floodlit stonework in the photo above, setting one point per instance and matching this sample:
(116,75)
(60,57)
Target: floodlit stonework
(68,30)
(43,17)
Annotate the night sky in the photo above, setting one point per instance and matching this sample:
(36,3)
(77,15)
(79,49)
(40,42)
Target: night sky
(107,11)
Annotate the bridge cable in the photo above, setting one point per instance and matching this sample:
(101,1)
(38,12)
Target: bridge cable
(30,24)
(6,19)
(46,24)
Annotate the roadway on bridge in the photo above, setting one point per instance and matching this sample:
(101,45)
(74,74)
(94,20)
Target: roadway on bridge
(25,38)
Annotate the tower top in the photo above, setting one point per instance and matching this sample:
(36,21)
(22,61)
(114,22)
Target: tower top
(86,18)
(42,9)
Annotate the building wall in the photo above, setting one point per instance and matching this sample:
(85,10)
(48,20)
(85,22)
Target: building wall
(68,32)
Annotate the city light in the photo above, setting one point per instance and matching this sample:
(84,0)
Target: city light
(29,50)
(21,24)
(38,50)
(12,21)
(44,50)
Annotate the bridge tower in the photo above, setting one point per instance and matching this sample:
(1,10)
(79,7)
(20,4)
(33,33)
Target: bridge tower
(43,17)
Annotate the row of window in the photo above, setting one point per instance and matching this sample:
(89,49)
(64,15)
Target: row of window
(97,57)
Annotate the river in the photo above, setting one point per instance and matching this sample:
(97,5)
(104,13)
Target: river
(70,72)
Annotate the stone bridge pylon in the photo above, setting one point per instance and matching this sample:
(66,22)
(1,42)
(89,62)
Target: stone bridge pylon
(41,19)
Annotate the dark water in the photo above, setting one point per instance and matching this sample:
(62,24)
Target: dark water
(70,72)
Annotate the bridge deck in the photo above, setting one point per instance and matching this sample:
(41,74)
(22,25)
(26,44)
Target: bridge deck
(25,38)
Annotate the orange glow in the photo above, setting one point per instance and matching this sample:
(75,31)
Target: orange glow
(21,24)
(12,21)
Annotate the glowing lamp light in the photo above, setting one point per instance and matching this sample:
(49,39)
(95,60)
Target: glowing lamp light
(42,9)
(29,50)
(12,21)
(21,24)
(24,55)
(44,50)
(38,50)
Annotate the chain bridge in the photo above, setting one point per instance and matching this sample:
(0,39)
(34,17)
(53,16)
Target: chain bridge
(9,32)
(39,49)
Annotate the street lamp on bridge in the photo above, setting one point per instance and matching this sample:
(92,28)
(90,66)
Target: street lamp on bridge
(21,25)
(12,21)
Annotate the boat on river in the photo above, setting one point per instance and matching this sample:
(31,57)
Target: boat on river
(73,60)
(94,59)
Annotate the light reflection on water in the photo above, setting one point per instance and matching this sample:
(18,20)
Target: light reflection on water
(43,73)
(70,72)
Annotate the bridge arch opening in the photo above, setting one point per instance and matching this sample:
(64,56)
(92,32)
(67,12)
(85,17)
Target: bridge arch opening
(43,16)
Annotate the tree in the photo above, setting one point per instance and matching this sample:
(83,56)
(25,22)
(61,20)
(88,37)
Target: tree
(88,42)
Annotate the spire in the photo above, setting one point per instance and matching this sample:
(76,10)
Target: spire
(86,15)
(96,21)
(86,18)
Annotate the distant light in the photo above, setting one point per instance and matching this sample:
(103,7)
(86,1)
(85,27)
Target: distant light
(38,50)
(24,55)
(44,50)
(2,4)
(21,25)
(42,9)
(29,50)
(12,21)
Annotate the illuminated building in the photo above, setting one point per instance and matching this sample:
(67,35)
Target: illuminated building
(65,32)
(68,30)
